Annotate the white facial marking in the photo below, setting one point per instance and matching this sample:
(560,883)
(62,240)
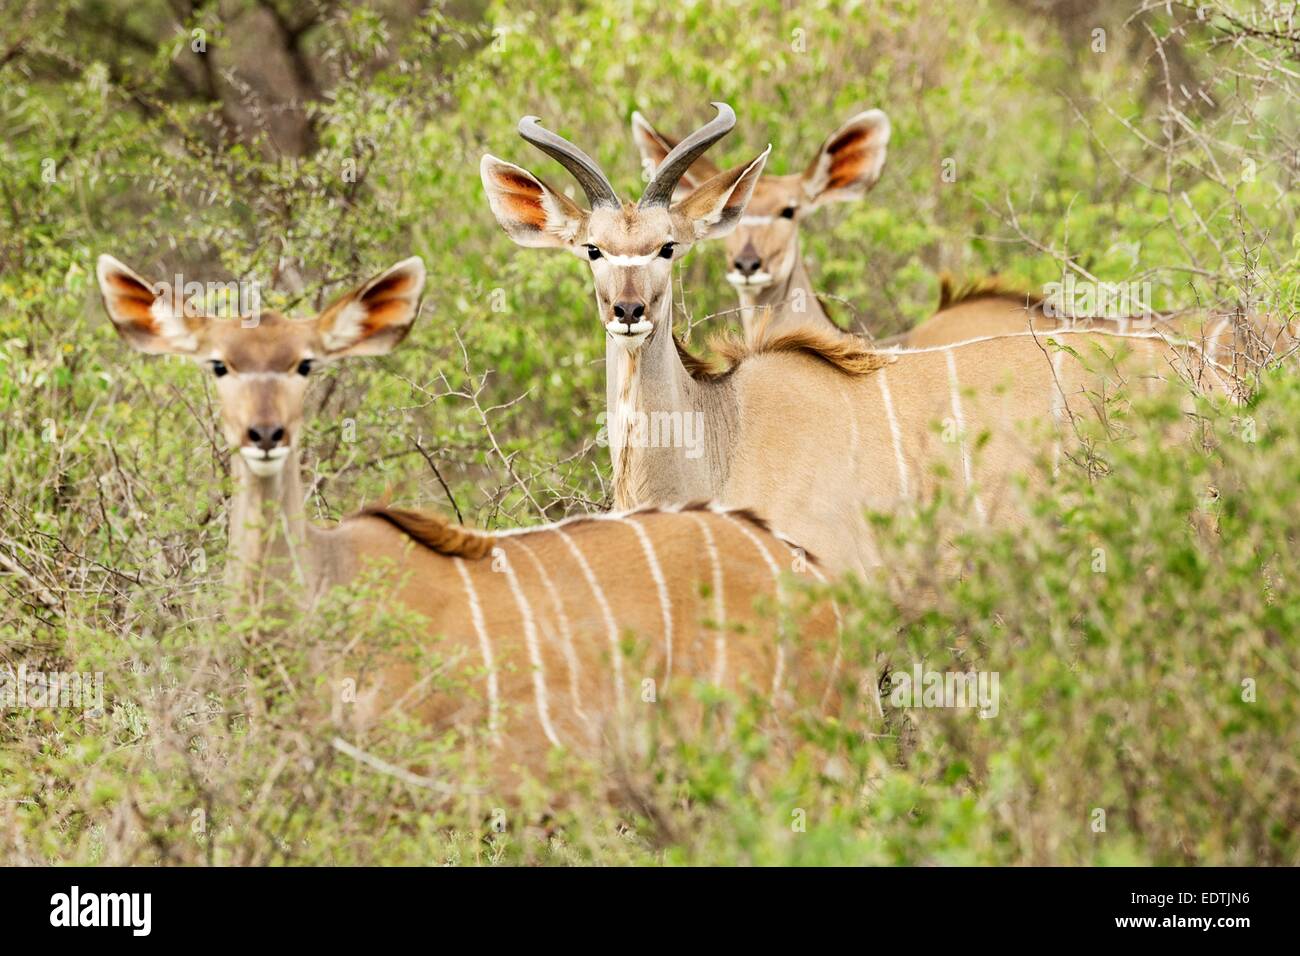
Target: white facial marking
(755,281)
(645,260)
(630,337)
(264,464)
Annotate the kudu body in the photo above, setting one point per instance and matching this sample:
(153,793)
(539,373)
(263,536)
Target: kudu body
(809,428)
(990,308)
(549,634)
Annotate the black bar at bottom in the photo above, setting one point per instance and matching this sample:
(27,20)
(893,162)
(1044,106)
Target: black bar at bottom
(338,906)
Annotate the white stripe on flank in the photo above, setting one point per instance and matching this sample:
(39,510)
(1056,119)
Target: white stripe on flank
(610,624)
(1040,335)
(955,394)
(534,653)
(779,672)
(719,603)
(665,602)
(566,636)
(485,646)
(904,486)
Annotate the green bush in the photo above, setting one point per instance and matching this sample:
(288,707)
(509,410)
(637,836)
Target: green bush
(1122,690)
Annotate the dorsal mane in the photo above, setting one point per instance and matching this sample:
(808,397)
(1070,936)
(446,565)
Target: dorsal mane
(434,532)
(442,537)
(747,515)
(848,353)
(953,293)
(841,350)
(744,514)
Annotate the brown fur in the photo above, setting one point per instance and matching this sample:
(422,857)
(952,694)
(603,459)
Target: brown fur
(434,532)
(846,353)
(990,287)
(554,646)
(442,537)
(697,366)
(849,154)
(704,504)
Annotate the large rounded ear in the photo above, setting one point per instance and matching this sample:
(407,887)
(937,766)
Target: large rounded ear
(531,212)
(716,207)
(850,161)
(150,316)
(654,146)
(374,317)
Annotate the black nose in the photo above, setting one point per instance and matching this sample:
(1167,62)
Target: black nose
(629,312)
(266,437)
(747,265)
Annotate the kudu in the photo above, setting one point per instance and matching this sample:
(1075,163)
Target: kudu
(989,307)
(766,267)
(809,428)
(764,262)
(542,619)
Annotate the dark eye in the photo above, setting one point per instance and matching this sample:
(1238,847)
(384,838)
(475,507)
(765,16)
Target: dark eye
(787,212)
(305,367)
(593,253)
(667,251)
(219,368)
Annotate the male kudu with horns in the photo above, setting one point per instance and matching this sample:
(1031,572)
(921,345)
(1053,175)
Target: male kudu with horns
(809,427)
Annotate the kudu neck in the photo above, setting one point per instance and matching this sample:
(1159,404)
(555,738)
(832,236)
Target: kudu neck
(269,536)
(782,304)
(665,428)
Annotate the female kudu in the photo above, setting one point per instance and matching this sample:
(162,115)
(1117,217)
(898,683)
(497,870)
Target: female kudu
(559,627)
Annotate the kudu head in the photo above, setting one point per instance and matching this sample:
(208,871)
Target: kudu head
(262,362)
(764,249)
(631,247)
